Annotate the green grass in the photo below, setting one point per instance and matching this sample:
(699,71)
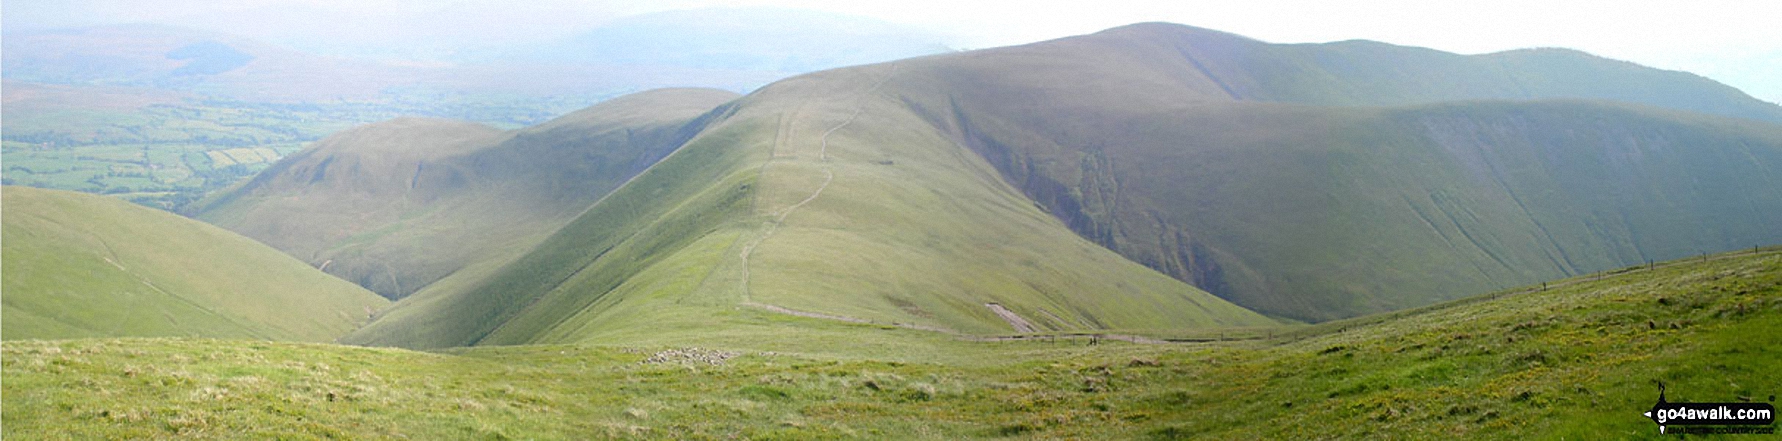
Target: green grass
(1576,361)
(80,265)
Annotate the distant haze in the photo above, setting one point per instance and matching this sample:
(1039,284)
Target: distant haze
(1731,41)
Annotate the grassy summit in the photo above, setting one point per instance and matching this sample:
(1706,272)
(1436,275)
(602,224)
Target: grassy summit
(79,265)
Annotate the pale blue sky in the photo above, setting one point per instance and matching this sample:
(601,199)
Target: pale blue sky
(1733,41)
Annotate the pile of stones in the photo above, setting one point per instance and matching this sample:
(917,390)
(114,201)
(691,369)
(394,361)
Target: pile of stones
(690,356)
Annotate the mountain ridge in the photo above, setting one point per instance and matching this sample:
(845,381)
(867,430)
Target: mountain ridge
(634,254)
(1370,73)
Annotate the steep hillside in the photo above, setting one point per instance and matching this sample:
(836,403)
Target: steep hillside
(395,206)
(79,265)
(1579,360)
(1208,157)
(817,195)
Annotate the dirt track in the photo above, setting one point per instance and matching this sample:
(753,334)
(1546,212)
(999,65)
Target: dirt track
(1020,324)
(828,176)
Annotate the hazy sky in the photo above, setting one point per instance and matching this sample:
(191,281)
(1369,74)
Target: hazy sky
(1734,41)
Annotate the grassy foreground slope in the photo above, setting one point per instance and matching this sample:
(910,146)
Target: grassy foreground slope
(816,194)
(1580,360)
(1207,156)
(79,265)
(398,205)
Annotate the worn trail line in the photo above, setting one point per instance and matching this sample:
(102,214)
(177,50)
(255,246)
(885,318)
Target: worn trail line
(817,315)
(828,176)
(130,308)
(1020,324)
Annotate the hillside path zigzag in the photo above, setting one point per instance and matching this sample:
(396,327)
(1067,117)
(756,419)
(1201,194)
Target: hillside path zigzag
(828,177)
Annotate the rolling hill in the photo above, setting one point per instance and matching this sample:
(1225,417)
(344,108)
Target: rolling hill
(79,265)
(930,192)
(397,205)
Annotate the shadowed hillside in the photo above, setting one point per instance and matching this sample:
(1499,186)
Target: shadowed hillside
(395,206)
(79,265)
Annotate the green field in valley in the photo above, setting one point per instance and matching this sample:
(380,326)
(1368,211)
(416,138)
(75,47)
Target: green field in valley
(167,149)
(161,155)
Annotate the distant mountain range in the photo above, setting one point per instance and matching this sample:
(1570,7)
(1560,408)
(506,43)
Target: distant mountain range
(187,60)
(733,49)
